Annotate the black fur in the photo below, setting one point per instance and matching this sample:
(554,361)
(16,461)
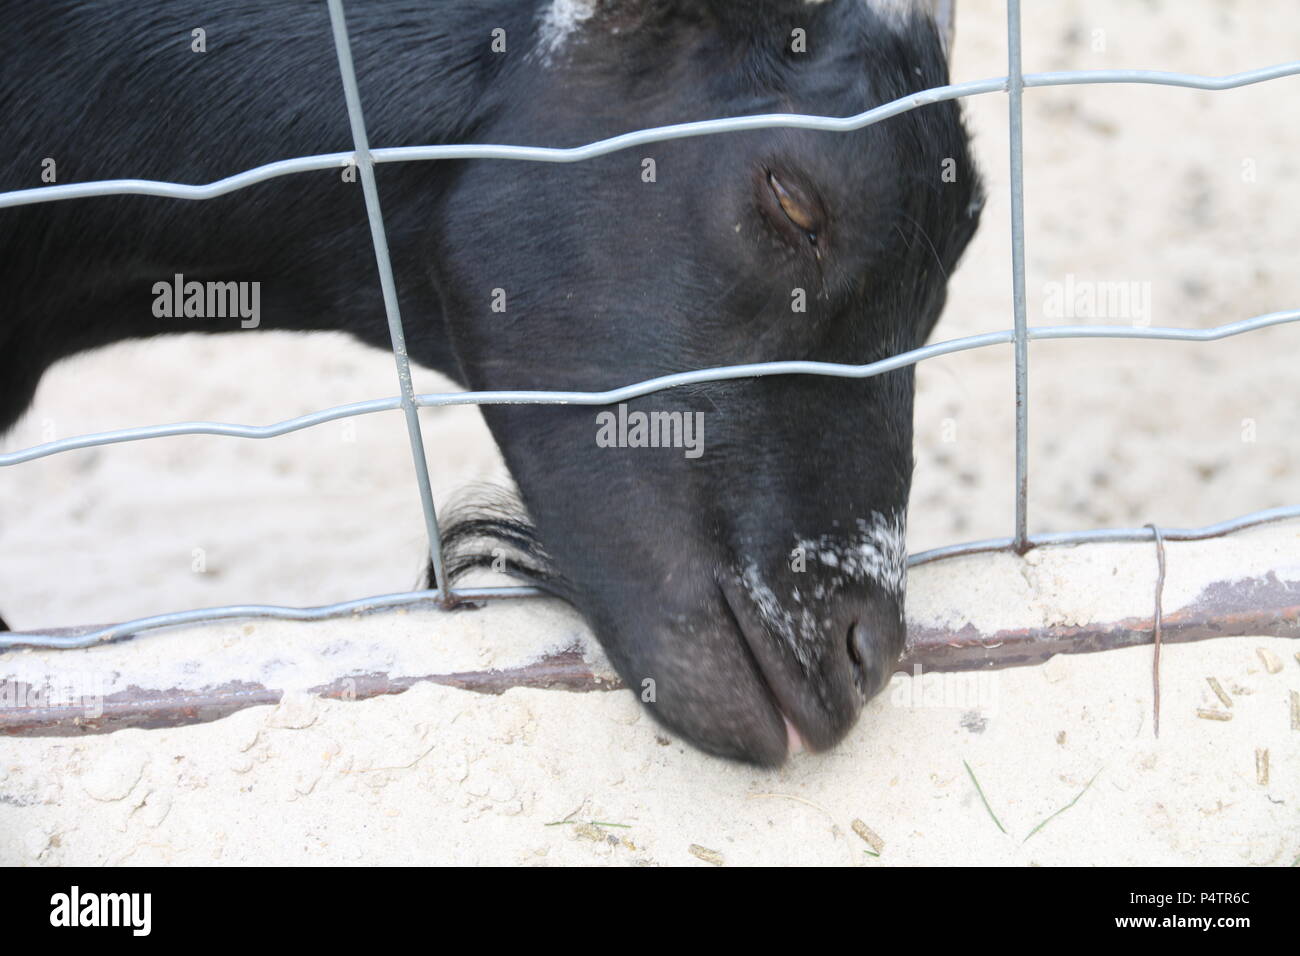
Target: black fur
(489,528)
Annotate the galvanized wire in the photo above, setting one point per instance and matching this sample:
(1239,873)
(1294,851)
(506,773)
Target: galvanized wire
(364,158)
(658,134)
(1015,108)
(638,389)
(89,636)
(366,166)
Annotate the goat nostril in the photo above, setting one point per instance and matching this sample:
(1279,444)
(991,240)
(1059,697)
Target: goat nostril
(856,653)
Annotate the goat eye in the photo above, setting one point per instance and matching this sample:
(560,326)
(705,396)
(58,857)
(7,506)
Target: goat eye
(797,211)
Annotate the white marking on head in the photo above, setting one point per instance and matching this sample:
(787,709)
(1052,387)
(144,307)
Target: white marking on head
(560,20)
(876,552)
(897,12)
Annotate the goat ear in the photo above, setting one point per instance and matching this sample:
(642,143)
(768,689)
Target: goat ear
(945,18)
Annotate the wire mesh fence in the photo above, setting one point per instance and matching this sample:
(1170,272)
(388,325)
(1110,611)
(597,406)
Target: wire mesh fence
(363,158)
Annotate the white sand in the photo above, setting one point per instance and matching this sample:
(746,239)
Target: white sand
(439,775)
(1123,184)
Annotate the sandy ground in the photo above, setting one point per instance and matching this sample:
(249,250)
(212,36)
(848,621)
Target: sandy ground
(1190,195)
(438,775)
(1064,753)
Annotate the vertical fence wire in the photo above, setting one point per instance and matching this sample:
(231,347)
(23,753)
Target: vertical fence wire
(1015,98)
(366,167)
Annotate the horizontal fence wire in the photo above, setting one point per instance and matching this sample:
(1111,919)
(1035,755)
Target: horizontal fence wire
(639,389)
(80,637)
(658,134)
(364,158)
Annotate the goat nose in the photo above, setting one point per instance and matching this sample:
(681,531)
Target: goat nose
(875,637)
